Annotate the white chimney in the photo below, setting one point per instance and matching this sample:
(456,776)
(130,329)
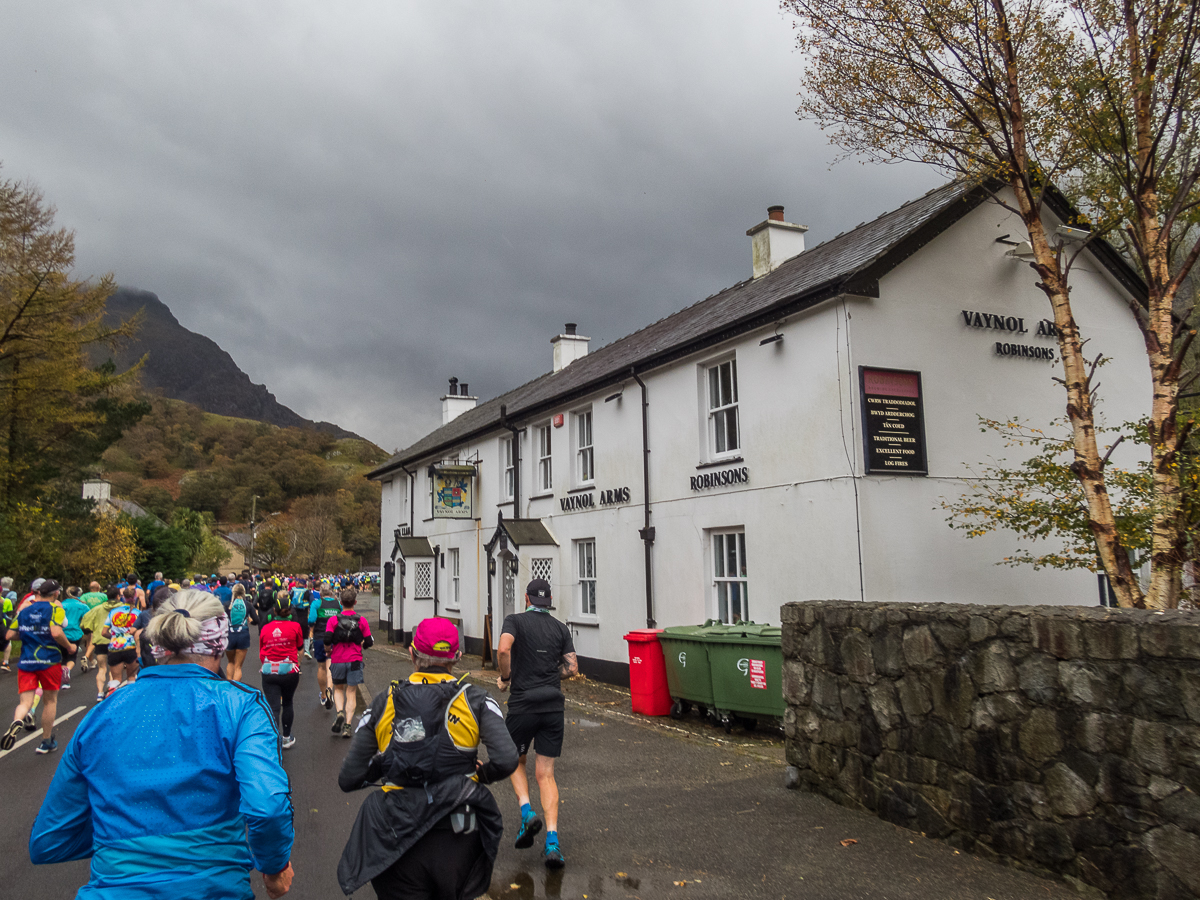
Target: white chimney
(568,347)
(775,241)
(97,490)
(457,402)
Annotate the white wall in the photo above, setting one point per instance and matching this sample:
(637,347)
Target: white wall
(802,447)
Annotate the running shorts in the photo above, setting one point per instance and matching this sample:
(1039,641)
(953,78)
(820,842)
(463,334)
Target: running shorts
(239,639)
(48,679)
(541,731)
(116,657)
(319,650)
(346,673)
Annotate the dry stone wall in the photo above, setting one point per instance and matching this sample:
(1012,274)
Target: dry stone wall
(1057,738)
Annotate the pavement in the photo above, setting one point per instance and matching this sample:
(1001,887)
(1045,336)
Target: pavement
(650,808)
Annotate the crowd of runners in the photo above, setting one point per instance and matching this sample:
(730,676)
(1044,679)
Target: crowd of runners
(169,660)
(64,632)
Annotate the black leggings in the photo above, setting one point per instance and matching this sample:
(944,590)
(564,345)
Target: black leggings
(435,868)
(280,689)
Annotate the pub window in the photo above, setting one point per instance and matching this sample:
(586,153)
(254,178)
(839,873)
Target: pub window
(508,471)
(585,552)
(423,580)
(724,435)
(452,600)
(545,463)
(585,465)
(730,581)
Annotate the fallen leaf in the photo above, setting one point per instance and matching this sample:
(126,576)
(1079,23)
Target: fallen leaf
(727,764)
(513,886)
(848,841)
(622,875)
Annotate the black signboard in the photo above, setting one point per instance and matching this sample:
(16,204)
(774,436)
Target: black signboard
(893,421)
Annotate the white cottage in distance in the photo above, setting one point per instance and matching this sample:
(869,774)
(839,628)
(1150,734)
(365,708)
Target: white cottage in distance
(788,438)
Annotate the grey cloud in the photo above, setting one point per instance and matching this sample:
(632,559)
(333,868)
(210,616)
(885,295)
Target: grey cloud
(359,200)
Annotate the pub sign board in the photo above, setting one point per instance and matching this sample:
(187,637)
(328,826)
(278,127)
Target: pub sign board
(893,421)
(453,492)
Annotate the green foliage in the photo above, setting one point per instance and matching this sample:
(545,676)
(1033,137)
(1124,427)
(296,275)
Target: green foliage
(163,548)
(1040,499)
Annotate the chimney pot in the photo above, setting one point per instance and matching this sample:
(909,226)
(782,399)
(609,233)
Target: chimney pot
(463,389)
(453,387)
(571,328)
(775,213)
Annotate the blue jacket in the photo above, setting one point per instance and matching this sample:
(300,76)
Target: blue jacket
(159,785)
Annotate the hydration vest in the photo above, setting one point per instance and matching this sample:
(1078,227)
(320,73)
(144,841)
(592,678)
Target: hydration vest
(347,630)
(421,751)
(326,610)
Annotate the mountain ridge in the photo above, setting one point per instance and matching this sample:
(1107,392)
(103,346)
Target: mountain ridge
(196,370)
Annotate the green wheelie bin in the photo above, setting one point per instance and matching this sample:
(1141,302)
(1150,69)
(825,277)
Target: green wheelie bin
(746,662)
(685,649)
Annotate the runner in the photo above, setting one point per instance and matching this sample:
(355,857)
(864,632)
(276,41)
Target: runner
(434,829)
(94,622)
(173,786)
(279,644)
(121,630)
(301,599)
(40,625)
(8,616)
(75,610)
(346,636)
(319,613)
(239,632)
(535,654)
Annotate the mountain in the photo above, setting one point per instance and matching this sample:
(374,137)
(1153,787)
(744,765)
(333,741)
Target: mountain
(183,365)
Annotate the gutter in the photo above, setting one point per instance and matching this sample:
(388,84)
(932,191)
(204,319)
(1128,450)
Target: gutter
(646,533)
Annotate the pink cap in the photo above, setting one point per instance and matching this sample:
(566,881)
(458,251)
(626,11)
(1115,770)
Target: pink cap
(436,637)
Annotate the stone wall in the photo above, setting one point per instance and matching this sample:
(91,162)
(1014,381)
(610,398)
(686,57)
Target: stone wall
(1057,738)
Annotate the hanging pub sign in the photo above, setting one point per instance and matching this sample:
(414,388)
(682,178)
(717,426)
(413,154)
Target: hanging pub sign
(893,422)
(453,492)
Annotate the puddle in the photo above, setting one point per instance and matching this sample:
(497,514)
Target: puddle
(587,723)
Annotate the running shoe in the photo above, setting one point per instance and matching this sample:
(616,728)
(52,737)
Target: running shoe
(10,736)
(338,722)
(47,746)
(329,700)
(83,666)
(99,697)
(554,857)
(530,826)
(289,742)
(4,667)
(346,733)
(28,722)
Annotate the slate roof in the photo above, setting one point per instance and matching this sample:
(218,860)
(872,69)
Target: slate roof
(850,263)
(410,547)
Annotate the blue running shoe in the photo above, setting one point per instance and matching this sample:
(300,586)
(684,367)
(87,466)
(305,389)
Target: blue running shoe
(51,745)
(554,857)
(530,826)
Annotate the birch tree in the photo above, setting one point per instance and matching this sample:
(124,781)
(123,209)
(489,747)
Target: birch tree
(979,89)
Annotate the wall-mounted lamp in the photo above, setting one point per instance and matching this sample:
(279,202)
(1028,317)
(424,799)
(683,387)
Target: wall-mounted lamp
(773,339)
(616,396)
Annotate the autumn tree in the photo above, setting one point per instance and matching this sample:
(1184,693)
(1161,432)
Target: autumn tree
(56,413)
(271,547)
(980,89)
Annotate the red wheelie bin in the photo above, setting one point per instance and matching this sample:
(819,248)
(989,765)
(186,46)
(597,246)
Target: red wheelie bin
(648,673)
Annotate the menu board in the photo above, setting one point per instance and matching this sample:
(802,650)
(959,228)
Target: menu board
(893,422)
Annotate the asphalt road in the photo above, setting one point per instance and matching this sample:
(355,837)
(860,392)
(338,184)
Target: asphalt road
(649,810)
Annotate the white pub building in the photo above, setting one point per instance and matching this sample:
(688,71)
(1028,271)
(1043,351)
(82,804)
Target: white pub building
(788,438)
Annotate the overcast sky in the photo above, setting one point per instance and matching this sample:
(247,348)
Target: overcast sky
(358,200)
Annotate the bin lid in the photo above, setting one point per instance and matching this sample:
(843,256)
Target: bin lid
(711,628)
(749,633)
(643,635)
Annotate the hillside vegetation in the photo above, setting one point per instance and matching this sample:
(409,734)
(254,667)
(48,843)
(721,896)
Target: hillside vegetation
(180,457)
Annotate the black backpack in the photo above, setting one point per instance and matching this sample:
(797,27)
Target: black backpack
(347,630)
(420,751)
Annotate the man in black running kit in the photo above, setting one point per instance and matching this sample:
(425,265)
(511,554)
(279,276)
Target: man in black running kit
(536,652)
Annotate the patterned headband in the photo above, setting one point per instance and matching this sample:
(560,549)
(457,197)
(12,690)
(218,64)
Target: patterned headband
(214,638)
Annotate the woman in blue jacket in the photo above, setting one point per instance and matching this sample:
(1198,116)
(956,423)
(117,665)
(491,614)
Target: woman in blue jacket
(202,800)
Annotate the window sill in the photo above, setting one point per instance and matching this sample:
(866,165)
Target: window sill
(422,598)
(586,623)
(583,488)
(544,495)
(724,461)
(507,502)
